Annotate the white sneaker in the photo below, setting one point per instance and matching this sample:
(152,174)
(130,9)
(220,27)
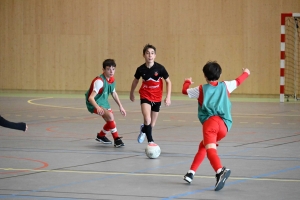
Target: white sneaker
(141,136)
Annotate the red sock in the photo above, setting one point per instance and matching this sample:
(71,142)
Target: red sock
(198,157)
(101,134)
(104,130)
(112,127)
(214,159)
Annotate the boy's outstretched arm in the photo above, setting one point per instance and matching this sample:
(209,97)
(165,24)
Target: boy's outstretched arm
(243,76)
(232,85)
(117,100)
(186,85)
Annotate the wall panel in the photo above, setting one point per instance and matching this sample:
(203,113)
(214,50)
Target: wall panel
(61,44)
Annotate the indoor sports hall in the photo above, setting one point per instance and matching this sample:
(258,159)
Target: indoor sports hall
(52,50)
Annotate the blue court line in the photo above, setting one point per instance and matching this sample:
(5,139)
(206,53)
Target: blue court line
(229,155)
(19,195)
(232,183)
(167,198)
(100,152)
(80,182)
(91,180)
(41,198)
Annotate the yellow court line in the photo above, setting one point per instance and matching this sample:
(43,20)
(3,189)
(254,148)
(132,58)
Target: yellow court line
(143,174)
(31,102)
(170,112)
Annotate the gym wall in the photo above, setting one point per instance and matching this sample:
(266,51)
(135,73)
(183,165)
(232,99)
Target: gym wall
(59,45)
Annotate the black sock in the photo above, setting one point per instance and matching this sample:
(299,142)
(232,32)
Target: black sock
(147,129)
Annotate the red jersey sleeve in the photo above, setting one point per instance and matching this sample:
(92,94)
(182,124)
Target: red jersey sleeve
(241,78)
(186,86)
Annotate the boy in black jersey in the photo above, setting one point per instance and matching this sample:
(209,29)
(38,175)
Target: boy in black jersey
(151,91)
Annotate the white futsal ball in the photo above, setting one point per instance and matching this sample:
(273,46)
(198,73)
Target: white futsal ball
(152,150)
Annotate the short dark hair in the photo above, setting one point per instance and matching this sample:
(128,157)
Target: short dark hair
(212,70)
(148,46)
(109,62)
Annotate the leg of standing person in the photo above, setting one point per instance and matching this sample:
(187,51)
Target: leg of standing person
(150,111)
(147,127)
(109,127)
(214,130)
(155,108)
(154,116)
(198,159)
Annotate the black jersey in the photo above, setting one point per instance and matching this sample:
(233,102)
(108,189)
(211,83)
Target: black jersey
(152,85)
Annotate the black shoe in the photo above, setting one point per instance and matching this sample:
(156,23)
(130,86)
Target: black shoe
(188,177)
(103,140)
(118,142)
(221,178)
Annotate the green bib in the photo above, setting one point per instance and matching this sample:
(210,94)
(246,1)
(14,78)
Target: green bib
(101,98)
(215,103)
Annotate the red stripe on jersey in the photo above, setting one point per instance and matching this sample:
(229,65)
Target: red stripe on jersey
(201,96)
(92,85)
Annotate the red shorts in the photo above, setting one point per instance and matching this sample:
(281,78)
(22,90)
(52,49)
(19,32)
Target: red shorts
(214,130)
(95,111)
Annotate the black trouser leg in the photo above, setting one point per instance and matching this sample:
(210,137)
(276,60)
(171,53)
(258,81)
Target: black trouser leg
(18,126)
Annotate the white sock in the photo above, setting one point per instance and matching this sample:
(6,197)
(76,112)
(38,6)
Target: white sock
(219,170)
(191,171)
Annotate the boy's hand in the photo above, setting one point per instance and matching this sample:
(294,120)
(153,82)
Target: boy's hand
(189,79)
(122,110)
(100,111)
(246,70)
(132,97)
(167,101)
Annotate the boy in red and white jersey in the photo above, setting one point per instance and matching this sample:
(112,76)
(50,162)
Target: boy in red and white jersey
(214,112)
(97,102)
(151,91)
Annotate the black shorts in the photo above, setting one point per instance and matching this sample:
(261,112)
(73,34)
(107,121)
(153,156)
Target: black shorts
(155,106)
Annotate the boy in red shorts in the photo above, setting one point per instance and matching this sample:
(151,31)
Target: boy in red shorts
(214,112)
(97,102)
